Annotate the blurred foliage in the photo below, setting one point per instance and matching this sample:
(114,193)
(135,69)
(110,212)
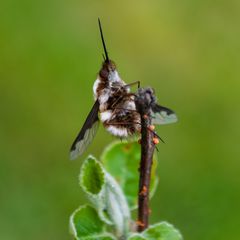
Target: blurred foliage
(50,53)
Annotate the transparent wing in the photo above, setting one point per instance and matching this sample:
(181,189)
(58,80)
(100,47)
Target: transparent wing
(162,115)
(86,134)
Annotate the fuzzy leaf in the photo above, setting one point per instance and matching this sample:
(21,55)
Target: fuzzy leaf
(92,176)
(92,181)
(106,195)
(117,206)
(85,222)
(121,160)
(162,231)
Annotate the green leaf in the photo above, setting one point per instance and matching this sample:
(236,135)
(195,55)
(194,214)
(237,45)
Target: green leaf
(117,206)
(85,222)
(106,195)
(162,231)
(121,160)
(159,231)
(92,181)
(93,176)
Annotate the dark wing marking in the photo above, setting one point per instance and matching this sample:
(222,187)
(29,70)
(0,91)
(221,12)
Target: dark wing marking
(87,133)
(162,115)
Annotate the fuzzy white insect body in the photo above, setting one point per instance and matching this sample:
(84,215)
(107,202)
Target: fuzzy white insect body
(114,77)
(95,87)
(116,131)
(104,96)
(106,115)
(113,104)
(117,108)
(130,105)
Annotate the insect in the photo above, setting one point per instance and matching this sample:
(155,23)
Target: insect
(115,107)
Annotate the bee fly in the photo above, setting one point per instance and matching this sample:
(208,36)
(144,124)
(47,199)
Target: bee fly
(116,107)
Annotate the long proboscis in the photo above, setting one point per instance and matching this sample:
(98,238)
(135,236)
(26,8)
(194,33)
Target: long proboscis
(103,42)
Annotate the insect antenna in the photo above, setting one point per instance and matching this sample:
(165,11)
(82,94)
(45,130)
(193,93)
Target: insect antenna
(103,42)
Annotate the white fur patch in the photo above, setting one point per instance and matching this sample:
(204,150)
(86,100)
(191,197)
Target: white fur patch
(106,115)
(104,95)
(119,132)
(130,105)
(114,77)
(95,86)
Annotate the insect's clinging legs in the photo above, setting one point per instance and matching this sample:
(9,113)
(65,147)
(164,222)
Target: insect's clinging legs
(133,83)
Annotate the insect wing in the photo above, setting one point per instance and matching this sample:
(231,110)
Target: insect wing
(162,115)
(86,134)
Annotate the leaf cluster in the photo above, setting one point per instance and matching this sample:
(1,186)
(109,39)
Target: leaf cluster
(112,192)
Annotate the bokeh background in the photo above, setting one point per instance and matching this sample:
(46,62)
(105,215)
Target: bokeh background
(50,53)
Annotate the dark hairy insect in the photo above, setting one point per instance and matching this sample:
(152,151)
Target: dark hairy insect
(115,107)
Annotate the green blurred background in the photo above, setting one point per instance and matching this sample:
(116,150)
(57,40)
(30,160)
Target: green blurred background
(50,53)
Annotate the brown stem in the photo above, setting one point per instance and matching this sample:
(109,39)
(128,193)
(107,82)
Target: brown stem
(147,150)
(144,100)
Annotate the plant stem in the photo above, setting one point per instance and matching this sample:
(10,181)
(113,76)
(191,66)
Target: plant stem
(147,150)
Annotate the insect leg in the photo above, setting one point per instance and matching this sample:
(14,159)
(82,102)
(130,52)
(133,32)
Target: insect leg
(120,97)
(133,83)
